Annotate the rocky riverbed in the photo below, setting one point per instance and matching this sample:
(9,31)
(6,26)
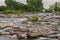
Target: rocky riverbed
(47,28)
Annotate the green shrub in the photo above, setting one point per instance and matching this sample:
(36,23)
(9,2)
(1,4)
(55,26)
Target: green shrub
(34,19)
(13,12)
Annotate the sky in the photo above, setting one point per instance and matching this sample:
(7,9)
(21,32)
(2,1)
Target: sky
(47,3)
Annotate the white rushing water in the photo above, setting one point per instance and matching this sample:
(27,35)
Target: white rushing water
(12,19)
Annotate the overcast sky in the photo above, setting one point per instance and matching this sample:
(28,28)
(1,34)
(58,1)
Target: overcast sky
(47,3)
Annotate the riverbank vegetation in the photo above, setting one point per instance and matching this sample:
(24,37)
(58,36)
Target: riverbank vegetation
(36,6)
(15,7)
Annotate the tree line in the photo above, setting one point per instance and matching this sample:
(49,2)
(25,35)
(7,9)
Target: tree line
(12,6)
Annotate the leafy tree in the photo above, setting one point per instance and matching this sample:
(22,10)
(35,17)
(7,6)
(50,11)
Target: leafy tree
(14,5)
(2,8)
(10,3)
(37,4)
(55,7)
(48,10)
(29,8)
